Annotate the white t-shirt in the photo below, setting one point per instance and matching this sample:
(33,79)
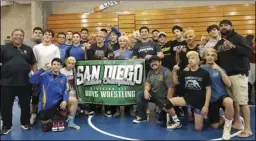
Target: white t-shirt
(45,54)
(69,75)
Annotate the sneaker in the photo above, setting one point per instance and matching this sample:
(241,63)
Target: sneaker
(139,120)
(61,126)
(32,118)
(55,126)
(47,127)
(91,113)
(108,114)
(226,133)
(175,125)
(26,127)
(5,131)
(117,114)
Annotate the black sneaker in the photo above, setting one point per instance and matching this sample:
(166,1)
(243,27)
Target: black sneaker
(26,127)
(5,131)
(139,120)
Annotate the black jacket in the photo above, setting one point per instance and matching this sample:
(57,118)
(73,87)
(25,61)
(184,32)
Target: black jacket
(236,60)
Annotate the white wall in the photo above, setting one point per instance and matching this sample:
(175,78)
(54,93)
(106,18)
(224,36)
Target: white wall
(80,7)
(15,16)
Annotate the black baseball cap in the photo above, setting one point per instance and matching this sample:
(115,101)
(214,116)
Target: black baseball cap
(225,21)
(154,57)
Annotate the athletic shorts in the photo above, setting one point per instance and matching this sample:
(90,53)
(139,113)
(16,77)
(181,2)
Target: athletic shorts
(214,110)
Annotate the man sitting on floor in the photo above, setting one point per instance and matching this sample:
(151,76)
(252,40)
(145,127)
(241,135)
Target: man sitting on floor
(54,97)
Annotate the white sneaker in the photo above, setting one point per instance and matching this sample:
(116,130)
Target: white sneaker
(175,125)
(226,133)
(139,120)
(32,118)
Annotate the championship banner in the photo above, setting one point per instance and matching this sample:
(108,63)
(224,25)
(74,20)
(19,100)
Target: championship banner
(109,82)
(104,6)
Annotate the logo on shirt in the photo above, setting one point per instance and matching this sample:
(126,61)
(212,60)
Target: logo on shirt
(178,48)
(192,85)
(145,49)
(161,78)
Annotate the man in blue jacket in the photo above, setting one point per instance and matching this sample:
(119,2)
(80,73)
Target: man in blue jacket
(54,97)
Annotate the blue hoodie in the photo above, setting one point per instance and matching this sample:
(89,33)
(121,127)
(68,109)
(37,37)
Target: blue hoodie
(52,90)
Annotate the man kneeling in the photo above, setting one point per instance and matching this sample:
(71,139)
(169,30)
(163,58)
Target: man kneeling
(196,83)
(219,97)
(158,86)
(54,96)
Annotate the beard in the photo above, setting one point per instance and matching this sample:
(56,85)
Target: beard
(225,32)
(153,65)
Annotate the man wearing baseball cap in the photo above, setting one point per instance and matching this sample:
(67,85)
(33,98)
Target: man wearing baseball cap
(233,56)
(166,49)
(158,87)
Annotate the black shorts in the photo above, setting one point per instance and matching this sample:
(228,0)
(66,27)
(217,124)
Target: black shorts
(214,110)
(53,113)
(179,91)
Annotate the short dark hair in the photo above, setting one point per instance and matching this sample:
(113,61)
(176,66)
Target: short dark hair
(49,31)
(37,28)
(209,28)
(84,29)
(144,27)
(249,38)
(56,60)
(155,30)
(104,30)
(61,33)
(77,33)
(177,27)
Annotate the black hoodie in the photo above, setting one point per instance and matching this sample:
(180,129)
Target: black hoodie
(236,60)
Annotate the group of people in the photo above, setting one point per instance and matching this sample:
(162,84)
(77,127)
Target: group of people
(206,76)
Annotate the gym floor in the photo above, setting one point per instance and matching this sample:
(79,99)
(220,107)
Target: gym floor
(100,127)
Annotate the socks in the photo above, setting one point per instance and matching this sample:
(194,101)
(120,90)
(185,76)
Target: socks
(71,122)
(228,123)
(175,118)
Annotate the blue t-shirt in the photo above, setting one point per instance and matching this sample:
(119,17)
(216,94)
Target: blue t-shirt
(63,49)
(124,55)
(77,52)
(218,86)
